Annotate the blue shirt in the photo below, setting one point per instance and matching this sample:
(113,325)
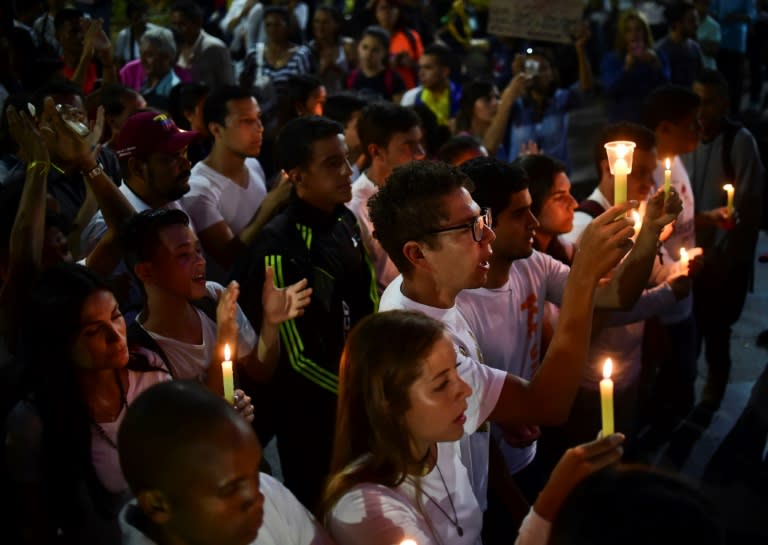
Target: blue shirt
(550,131)
(733,35)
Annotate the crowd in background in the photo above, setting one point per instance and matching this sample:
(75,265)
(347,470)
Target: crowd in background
(371,205)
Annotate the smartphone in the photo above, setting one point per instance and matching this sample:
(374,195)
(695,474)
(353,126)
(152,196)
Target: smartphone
(531,67)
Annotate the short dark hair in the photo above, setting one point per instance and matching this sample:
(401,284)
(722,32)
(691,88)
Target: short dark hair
(133,7)
(714,80)
(140,234)
(282,11)
(380,33)
(671,103)
(291,92)
(381,120)
(442,53)
(495,182)
(148,452)
(456,146)
(342,105)
(676,11)
(215,107)
(541,170)
(638,505)
(643,138)
(184,98)
(294,143)
(56,87)
(66,15)
(190,10)
(410,205)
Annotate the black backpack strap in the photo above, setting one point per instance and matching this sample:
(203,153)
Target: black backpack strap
(138,336)
(593,208)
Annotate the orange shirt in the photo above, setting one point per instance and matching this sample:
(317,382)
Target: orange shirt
(90,76)
(401,43)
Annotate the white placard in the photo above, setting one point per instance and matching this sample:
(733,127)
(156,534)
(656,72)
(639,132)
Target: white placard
(545,20)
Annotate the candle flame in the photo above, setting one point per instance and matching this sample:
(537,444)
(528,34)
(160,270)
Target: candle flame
(227,352)
(637,219)
(621,151)
(607,368)
(683,255)
(668,163)
(408,542)
(728,187)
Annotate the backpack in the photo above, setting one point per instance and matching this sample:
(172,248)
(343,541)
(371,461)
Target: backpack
(138,336)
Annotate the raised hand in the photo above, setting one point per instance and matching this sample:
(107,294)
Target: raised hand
(226,314)
(283,304)
(662,211)
(32,148)
(61,138)
(576,464)
(605,241)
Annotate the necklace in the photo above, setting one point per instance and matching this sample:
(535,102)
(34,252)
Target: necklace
(123,404)
(455,519)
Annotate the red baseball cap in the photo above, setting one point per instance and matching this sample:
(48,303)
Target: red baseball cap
(151,132)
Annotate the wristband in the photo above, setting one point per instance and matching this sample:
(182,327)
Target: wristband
(45,164)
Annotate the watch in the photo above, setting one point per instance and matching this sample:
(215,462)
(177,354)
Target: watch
(95,172)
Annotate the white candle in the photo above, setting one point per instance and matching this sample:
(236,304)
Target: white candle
(729,189)
(226,372)
(667,178)
(606,398)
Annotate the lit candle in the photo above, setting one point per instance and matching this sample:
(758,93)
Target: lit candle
(408,542)
(729,189)
(606,398)
(637,219)
(684,257)
(667,178)
(226,372)
(621,169)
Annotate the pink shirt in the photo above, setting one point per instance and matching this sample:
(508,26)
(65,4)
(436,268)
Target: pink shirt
(132,74)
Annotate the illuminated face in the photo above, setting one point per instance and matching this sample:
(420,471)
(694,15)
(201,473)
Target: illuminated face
(177,264)
(326,181)
(514,228)
(102,342)
(556,215)
(438,398)
(243,131)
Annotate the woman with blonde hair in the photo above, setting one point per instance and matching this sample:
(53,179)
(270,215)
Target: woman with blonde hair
(633,69)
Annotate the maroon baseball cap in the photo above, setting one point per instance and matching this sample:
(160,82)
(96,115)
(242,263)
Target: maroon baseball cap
(151,132)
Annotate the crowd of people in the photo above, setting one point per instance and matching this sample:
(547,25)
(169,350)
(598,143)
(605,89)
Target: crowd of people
(364,212)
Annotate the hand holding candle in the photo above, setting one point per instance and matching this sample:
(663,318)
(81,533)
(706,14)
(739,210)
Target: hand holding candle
(606,398)
(729,189)
(226,371)
(667,177)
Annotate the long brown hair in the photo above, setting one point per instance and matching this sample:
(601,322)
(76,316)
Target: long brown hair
(620,43)
(382,358)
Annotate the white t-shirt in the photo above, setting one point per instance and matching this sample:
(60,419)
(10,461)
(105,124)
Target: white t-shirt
(191,361)
(486,382)
(286,521)
(214,198)
(378,515)
(362,190)
(683,235)
(508,324)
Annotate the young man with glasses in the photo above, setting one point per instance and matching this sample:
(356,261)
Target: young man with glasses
(440,240)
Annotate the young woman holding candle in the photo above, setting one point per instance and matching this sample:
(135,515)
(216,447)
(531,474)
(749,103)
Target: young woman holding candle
(80,376)
(396,471)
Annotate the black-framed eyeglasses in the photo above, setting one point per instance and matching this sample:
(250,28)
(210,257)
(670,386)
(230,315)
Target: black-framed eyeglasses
(477,225)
